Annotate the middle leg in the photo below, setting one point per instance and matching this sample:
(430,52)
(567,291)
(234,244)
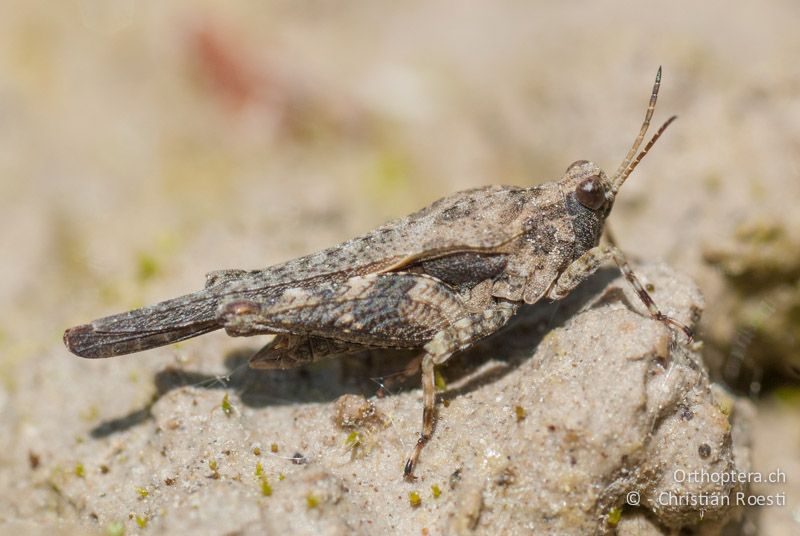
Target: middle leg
(288,351)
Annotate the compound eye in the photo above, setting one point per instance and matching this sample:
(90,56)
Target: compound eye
(590,193)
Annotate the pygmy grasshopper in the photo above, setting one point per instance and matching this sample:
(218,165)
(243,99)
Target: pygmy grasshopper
(437,280)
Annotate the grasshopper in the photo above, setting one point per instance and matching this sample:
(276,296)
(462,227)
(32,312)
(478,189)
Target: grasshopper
(437,280)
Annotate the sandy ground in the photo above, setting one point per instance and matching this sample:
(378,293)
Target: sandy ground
(144,145)
(575,412)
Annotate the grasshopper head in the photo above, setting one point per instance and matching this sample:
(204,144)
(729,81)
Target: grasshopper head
(586,188)
(591,193)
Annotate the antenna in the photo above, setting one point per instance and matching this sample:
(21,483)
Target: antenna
(630,163)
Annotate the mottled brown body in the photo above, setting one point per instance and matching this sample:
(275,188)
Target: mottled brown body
(439,280)
(515,240)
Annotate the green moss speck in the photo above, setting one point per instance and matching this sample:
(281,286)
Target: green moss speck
(414,499)
(227,407)
(439,381)
(614,516)
(146,267)
(353,439)
(266,489)
(788,395)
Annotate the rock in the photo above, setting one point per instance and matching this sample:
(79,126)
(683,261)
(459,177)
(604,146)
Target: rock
(756,332)
(557,425)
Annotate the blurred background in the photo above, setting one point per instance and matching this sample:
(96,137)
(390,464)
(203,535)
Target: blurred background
(143,144)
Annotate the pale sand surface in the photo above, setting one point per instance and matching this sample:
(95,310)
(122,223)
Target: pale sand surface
(144,145)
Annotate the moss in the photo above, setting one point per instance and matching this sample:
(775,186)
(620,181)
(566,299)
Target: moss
(227,407)
(353,439)
(266,489)
(142,492)
(141,521)
(414,499)
(436,491)
(760,255)
(760,232)
(724,401)
(259,469)
(80,471)
(614,516)
(214,467)
(761,324)
(147,267)
(519,412)
(273,448)
(788,395)
(439,381)
(312,501)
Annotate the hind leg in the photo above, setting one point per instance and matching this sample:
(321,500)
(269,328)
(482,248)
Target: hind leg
(458,336)
(395,310)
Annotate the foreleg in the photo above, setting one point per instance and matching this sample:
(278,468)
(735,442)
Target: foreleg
(587,264)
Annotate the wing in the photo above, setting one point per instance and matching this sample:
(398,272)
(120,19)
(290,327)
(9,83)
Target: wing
(141,329)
